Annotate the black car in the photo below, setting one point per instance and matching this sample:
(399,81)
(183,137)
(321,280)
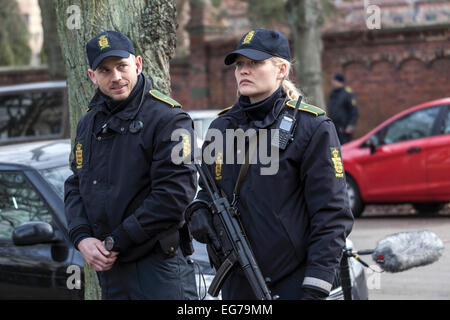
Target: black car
(34,111)
(35,250)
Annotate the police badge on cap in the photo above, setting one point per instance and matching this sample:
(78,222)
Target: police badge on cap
(108,44)
(261,44)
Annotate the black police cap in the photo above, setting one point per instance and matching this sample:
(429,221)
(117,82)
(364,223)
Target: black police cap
(261,44)
(108,44)
(339,77)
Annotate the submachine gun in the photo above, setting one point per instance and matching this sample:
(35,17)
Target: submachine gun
(236,250)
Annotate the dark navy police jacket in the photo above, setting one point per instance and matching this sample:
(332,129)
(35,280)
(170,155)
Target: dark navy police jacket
(300,216)
(125,183)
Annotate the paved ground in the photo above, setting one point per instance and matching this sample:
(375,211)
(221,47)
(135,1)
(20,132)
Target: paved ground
(424,283)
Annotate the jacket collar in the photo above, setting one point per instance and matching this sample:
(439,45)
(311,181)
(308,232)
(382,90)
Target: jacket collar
(272,115)
(277,101)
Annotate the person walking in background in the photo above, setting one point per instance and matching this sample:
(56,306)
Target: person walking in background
(342,108)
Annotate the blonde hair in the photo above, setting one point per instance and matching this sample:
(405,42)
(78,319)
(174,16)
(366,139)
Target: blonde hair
(288,87)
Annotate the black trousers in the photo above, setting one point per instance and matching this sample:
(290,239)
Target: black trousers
(154,277)
(236,287)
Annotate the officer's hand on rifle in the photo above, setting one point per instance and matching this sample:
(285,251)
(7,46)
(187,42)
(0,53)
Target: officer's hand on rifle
(200,220)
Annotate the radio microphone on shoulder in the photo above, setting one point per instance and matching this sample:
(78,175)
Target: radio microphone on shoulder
(405,250)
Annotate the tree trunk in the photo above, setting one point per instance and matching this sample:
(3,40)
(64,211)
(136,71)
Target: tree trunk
(52,48)
(305,19)
(14,36)
(151,27)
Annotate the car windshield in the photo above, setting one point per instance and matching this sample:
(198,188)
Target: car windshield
(416,125)
(56,177)
(31,113)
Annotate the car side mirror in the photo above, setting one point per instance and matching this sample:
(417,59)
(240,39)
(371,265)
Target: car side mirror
(33,232)
(372,144)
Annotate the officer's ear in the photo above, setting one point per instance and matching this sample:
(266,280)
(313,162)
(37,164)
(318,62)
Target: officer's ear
(138,61)
(92,76)
(282,71)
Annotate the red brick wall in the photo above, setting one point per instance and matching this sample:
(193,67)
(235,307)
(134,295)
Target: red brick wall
(391,71)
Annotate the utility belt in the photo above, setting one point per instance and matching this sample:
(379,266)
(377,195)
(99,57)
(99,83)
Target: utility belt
(178,239)
(168,242)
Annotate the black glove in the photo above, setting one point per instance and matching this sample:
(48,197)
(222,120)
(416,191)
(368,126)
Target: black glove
(200,221)
(312,294)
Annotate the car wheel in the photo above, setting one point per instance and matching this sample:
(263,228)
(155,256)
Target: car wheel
(354,197)
(428,208)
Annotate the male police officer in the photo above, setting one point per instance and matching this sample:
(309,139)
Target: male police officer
(342,108)
(125,199)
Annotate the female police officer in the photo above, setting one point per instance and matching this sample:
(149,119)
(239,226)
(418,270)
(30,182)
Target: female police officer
(296,219)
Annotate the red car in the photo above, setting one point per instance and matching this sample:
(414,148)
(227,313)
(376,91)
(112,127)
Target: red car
(406,159)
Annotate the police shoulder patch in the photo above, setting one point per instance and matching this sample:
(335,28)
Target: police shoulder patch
(306,108)
(79,154)
(348,89)
(336,159)
(162,97)
(224,110)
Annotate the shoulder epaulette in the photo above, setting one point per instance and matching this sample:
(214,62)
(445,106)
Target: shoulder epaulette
(224,110)
(162,97)
(348,89)
(306,107)
(88,109)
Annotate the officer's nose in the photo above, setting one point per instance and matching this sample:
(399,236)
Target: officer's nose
(116,75)
(244,69)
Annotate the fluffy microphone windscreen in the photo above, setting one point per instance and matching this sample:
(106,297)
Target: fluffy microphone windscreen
(405,250)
